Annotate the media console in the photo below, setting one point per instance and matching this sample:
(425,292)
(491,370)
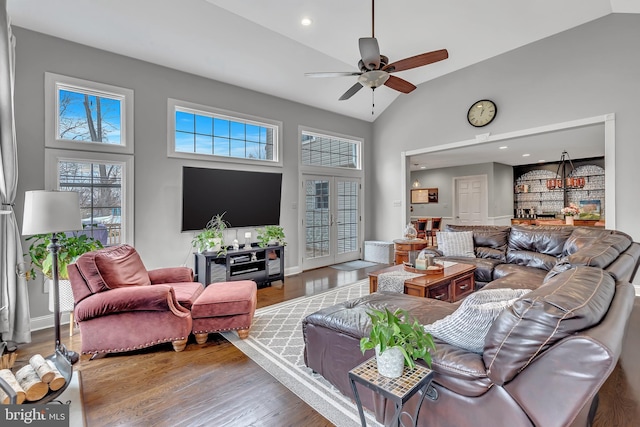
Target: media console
(262,265)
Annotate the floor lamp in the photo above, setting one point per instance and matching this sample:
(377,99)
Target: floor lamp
(53,212)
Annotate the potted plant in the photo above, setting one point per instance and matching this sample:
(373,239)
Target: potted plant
(211,237)
(71,247)
(398,342)
(270,234)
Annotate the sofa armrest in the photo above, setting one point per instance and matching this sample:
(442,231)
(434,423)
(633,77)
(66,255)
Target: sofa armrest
(133,298)
(171,275)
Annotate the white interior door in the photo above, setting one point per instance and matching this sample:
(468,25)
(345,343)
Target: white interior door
(471,200)
(331,220)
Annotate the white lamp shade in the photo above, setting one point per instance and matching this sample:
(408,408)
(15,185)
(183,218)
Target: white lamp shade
(51,212)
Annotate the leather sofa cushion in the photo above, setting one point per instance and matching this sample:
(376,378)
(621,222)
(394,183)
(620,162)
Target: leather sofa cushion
(547,240)
(531,259)
(484,266)
(599,253)
(516,277)
(569,302)
(582,237)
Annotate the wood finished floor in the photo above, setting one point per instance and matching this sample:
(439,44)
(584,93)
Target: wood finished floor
(214,384)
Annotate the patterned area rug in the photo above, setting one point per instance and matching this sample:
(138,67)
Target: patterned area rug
(276,344)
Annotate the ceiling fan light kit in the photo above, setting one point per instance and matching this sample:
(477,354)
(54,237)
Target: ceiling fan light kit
(375,70)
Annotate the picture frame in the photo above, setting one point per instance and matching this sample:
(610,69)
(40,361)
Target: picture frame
(424,195)
(590,209)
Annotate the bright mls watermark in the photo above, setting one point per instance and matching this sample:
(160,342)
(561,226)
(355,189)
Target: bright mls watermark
(51,415)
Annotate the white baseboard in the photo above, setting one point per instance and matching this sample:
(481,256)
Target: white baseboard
(290,271)
(44,322)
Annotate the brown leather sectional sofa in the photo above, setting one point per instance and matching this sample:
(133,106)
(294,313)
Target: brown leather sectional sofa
(544,358)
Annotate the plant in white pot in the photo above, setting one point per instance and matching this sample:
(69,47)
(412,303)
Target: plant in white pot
(211,238)
(398,342)
(271,234)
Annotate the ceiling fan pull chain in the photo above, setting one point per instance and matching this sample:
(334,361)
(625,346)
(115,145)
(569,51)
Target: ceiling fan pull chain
(373,101)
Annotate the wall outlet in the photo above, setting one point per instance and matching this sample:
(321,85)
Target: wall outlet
(397,203)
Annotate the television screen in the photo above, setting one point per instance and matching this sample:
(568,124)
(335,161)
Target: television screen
(247,199)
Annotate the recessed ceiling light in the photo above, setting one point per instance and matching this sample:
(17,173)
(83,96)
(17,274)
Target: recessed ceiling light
(423,167)
(526,155)
(306,22)
(504,147)
(541,161)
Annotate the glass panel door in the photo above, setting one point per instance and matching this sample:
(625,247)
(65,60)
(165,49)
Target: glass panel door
(331,220)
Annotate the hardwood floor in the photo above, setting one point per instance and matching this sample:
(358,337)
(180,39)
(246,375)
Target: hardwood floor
(214,384)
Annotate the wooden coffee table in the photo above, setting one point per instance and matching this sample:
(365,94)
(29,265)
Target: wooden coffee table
(454,283)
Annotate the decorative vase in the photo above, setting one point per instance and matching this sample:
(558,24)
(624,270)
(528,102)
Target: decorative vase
(390,362)
(213,245)
(568,220)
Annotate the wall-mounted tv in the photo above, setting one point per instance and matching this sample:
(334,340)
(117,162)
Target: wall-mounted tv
(248,199)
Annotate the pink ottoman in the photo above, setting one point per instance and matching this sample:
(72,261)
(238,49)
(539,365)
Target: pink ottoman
(224,306)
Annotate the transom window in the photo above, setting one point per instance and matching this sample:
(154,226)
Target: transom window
(207,131)
(329,151)
(87,115)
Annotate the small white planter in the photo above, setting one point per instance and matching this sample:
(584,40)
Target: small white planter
(214,245)
(390,362)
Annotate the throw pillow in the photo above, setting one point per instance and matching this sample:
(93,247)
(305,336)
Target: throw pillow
(458,243)
(468,325)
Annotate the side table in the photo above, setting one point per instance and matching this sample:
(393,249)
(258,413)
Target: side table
(399,390)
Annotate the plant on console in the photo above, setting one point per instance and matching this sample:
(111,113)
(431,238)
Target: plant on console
(270,233)
(212,236)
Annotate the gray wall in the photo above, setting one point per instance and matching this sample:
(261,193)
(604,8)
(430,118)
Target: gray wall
(157,177)
(587,71)
(499,191)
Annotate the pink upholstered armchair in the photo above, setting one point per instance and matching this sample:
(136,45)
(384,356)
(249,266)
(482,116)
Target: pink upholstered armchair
(120,306)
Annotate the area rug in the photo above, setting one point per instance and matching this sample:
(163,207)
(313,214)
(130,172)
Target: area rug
(276,344)
(353,265)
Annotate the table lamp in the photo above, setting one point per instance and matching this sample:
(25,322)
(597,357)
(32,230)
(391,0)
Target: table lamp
(53,212)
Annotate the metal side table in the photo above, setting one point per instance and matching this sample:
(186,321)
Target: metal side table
(399,390)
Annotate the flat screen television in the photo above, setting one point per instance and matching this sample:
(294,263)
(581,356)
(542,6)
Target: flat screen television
(247,199)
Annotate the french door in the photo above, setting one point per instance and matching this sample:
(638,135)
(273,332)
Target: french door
(331,220)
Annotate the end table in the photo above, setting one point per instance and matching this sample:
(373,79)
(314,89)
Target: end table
(399,390)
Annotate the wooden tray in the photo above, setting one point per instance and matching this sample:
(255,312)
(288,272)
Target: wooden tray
(438,270)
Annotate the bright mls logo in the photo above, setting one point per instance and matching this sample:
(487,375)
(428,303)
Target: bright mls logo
(35,415)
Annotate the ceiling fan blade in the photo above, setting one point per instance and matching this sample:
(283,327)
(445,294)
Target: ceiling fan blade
(333,74)
(369,52)
(399,84)
(417,61)
(352,91)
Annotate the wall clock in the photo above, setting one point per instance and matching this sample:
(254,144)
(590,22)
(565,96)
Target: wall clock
(482,113)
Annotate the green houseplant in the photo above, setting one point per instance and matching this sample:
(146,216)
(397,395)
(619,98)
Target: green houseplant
(394,330)
(212,236)
(71,247)
(270,233)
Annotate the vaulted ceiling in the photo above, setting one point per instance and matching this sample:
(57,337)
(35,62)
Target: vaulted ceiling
(261,45)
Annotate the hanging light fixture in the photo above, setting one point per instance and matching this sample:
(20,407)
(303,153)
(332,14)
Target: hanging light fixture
(566,180)
(416,184)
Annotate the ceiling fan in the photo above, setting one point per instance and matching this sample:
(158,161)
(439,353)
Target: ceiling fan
(375,69)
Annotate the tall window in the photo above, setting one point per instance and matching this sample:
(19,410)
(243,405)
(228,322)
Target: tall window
(89,142)
(329,151)
(197,130)
(100,189)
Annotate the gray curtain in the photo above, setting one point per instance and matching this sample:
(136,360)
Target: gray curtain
(14,299)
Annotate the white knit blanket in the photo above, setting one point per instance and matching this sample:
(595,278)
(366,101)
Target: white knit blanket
(393,281)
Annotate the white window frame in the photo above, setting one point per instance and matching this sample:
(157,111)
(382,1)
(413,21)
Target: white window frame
(55,82)
(52,182)
(334,170)
(175,104)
